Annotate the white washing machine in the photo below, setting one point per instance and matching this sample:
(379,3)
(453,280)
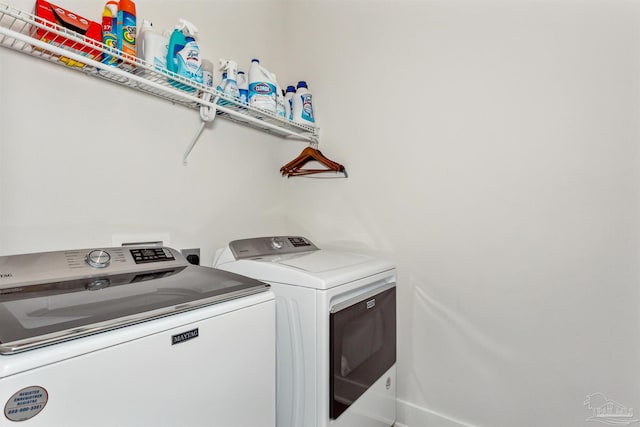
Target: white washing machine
(335,328)
(133,337)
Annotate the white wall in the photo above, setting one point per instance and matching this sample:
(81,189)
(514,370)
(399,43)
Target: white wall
(82,160)
(493,153)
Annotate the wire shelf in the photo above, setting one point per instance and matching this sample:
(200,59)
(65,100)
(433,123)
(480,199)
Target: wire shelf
(34,36)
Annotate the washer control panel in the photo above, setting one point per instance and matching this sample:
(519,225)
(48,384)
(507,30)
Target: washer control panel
(265,246)
(94,262)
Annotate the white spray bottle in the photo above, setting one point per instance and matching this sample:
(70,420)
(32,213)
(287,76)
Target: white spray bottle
(230,87)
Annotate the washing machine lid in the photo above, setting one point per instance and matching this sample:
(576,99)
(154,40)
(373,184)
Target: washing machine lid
(301,263)
(47,298)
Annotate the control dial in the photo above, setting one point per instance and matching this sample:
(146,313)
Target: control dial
(277,243)
(98,258)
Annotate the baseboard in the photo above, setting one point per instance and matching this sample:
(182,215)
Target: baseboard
(410,415)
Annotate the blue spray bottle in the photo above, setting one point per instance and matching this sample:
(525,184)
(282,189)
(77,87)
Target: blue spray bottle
(183,55)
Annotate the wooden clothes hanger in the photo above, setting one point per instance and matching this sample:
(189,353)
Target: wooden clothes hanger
(309,154)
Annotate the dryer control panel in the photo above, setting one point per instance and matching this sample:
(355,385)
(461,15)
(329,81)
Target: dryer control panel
(265,246)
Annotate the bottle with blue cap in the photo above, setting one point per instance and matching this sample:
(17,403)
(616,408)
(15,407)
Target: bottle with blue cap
(288,99)
(262,88)
(302,107)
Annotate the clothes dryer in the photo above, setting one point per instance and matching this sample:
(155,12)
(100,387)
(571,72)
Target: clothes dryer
(335,329)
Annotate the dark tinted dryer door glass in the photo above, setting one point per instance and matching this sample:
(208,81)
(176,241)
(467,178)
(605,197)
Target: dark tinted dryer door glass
(362,346)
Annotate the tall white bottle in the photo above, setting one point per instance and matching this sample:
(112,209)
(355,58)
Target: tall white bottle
(152,46)
(207,73)
(280,110)
(243,87)
(288,100)
(302,107)
(262,89)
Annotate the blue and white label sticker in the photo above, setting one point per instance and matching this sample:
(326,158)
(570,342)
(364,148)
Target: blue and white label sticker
(26,403)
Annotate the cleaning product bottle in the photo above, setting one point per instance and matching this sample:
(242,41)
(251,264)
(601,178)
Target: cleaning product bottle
(126,33)
(243,87)
(301,107)
(262,90)
(288,96)
(207,73)
(183,54)
(152,46)
(109,29)
(222,83)
(231,86)
(280,110)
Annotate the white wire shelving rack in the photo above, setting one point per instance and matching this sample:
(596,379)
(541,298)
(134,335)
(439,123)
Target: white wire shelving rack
(26,33)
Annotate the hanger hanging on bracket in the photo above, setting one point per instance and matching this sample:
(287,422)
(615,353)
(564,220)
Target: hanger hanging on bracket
(311,154)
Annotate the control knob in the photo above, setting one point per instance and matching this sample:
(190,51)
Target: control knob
(277,243)
(98,258)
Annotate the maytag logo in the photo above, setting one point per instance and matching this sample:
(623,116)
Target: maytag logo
(185,336)
(5,275)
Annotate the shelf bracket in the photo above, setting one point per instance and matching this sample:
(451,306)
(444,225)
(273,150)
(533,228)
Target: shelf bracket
(208,113)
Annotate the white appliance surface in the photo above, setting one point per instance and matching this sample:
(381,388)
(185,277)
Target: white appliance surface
(307,284)
(318,269)
(211,364)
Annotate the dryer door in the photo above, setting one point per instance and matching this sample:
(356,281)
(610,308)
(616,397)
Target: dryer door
(362,346)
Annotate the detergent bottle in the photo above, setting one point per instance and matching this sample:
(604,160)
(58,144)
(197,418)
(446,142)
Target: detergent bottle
(109,31)
(262,89)
(183,54)
(243,87)
(126,33)
(152,46)
(288,97)
(301,107)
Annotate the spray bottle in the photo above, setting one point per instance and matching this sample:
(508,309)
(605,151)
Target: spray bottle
(230,87)
(183,55)
(109,31)
(126,33)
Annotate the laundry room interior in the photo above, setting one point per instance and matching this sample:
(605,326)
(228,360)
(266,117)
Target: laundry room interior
(493,156)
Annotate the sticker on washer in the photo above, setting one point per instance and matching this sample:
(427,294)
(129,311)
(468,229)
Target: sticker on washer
(26,403)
